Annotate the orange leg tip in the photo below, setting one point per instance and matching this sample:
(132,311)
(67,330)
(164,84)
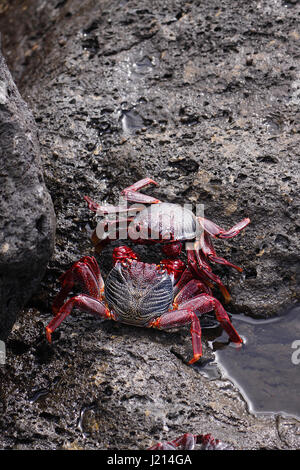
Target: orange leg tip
(48,334)
(226,295)
(195,359)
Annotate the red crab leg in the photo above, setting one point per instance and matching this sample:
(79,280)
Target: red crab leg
(188,441)
(84,303)
(218,232)
(203,271)
(204,303)
(163,446)
(185,442)
(131,193)
(209,251)
(176,318)
(208,442)
(185,278)
(191,289)
(109,209)
(85,273)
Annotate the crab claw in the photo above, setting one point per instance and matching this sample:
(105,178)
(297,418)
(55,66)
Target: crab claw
(208,250)
(218,232)
(201,270)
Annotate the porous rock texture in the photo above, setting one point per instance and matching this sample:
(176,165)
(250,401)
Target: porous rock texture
(27,221)
(203,97)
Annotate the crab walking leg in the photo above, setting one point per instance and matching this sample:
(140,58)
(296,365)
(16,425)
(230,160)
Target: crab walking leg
(208,442)
(82,302)
(209,251)
(203,271)
(176,318)
(204,303)
(188,441)
(185,442)
(163,446)
(91,261)
(109,209)
(132,193)
(86,274)
(185,278)
(218,232)
(191,289)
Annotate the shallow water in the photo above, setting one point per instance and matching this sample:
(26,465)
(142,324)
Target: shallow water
(266,368)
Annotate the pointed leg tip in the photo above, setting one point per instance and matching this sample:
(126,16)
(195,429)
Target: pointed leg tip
(226,295)
(195,359)
(48,335)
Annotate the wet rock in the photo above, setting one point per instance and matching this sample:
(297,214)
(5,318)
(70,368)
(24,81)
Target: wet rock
(203,98)
(112,386)
(27,218)
(206,104)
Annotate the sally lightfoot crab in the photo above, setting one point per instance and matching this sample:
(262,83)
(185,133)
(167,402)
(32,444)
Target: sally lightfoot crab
(150,221)
(147,295)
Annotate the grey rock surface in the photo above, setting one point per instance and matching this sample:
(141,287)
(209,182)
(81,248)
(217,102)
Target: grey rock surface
(203,97)
(27,220)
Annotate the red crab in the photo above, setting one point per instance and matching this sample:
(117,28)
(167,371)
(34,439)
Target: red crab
(168,224)
(188,441)
(147,295)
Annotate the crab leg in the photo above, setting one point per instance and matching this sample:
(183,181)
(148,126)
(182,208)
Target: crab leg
(185,442)
(86,274)
(218,232)
(204,303)
(131,193)
(209,251)
(84,303)
(176,318)
(188,441)
(185,278)
(109,209)
(203,271)
(191,289)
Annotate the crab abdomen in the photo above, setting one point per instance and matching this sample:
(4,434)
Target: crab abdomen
(138,292)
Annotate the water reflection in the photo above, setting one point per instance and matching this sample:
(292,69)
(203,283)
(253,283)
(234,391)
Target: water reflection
(266,368)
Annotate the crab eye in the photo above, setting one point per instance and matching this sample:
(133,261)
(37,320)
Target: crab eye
(138,228)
